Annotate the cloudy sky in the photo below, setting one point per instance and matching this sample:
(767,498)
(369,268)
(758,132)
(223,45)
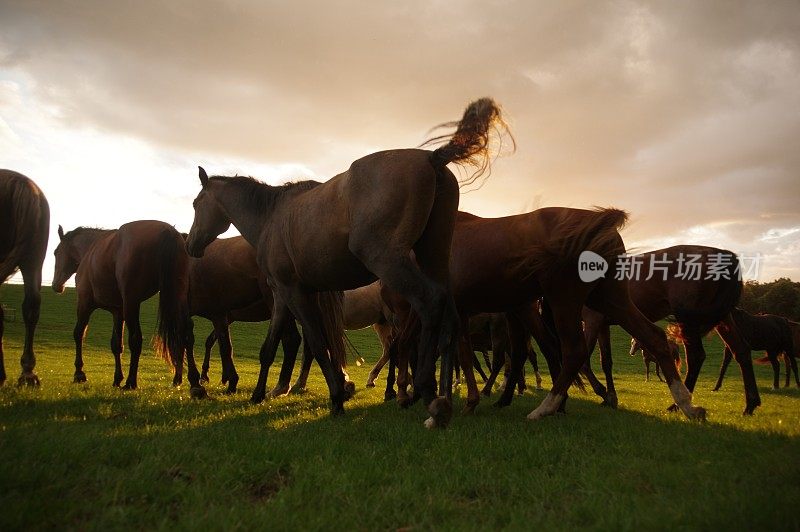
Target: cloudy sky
(687,114)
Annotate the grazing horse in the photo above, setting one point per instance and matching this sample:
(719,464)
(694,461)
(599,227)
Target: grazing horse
(764,332)
(359,226)
(24,230)
(699,286)
(226,285)
(504,264)
(117,269)
(648,357)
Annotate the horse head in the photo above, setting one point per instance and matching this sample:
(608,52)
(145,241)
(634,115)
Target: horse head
(210,220)
(67,260)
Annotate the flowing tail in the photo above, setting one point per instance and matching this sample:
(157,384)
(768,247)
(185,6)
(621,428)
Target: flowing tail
(331,305)
(696,323)
(470,143)
(173,307)
(577,231)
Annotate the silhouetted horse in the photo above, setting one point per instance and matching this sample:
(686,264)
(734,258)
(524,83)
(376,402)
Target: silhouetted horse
(495,329)
(764,332)
(117,269)
(362,308)
(648,357)
(504,264)
(359,226)
(699,286)
(24,230)
(226,285)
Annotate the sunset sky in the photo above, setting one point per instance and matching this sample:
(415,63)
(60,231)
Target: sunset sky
(686,114)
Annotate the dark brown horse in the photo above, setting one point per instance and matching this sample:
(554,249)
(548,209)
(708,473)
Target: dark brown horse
(764,332)
(503,264)
(24,230)
(698,286)
(225,285)
(116,270)
(359,226)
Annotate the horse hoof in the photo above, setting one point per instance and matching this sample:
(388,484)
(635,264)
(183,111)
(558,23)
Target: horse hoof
(349,390)
(698,413)
(441,411)
(80,377)
(370,384)
(337,409)
(129,386)
(672,408)
(611,401)
(28,379)
(279,391)
(177,381)
(469,408)
(389,396)
(501,403)
(230,390)
(776,388)
(404,401)
(715,389)
(204,378)
(198,392)
(258,397)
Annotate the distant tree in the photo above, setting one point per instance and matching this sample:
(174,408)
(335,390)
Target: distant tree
(781,297)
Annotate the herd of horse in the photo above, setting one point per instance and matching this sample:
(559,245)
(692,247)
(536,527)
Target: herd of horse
(383,244)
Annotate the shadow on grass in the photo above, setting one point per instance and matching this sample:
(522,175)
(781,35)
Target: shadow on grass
(99,458)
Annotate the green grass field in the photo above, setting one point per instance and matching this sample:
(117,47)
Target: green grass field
(90,456)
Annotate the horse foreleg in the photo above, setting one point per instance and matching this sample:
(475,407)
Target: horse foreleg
(726,359)
(466,355)
(607,362)
(305,368)
(695,356)
(518,338)
(291,341)
(116,347)
(567,317)
(277,324)
(31,303)
(776,369)
(534,360)
(223,332)
(211,339)
(78,334)
(131,317)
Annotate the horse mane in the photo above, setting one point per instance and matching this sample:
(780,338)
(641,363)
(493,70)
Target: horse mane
(265,197)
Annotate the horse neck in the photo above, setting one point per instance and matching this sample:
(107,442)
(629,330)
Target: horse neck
(84,241)
(245,211)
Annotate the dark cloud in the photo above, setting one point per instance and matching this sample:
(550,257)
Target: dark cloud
(685,113)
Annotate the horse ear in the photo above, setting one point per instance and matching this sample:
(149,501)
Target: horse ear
(203,176)
(60,232)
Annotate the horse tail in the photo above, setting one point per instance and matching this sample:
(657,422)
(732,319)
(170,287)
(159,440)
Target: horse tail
(696,323)
(597,231)
(173,307)
(332,307)
(470,143)
(31,223)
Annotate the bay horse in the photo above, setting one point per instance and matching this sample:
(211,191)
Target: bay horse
(764,332)
(699,286)
(226,285)
(504,264)
(116,270)
(359,226)
(24,231)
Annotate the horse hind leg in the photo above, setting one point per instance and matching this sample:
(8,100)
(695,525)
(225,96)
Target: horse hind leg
(291,341)
(31,304)
(736,344)
(209,346)
(116,347)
